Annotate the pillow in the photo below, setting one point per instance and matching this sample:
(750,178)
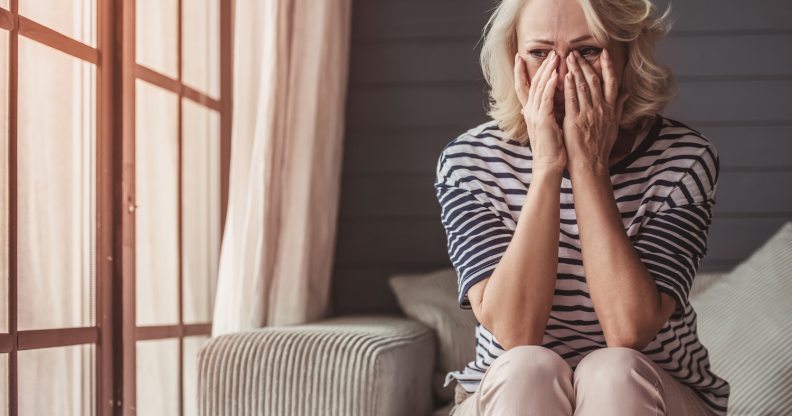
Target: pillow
(703,281)
(431,299)
(744,321)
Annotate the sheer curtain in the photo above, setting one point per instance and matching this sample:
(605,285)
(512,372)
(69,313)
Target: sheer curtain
(56,193)
(290,76)
(162,148)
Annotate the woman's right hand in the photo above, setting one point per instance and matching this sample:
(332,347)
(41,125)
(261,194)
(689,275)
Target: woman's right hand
(536,97)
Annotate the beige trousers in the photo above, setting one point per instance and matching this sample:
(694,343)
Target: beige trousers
(534,380)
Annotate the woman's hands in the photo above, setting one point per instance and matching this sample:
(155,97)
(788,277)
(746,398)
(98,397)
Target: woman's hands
(544,134)
(593,112)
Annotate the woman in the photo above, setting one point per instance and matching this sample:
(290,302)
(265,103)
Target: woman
(582,309)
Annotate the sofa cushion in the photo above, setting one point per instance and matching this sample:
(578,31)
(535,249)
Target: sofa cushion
(744,321)
(703,281)
(359,365)
(430,298)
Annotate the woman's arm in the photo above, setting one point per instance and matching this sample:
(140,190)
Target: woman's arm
(514,302)
(628,305)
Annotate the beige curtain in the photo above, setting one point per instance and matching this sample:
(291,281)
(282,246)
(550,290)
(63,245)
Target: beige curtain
(56,204)
(290,75)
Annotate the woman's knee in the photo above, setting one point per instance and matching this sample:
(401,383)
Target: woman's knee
(527,378)
(610,366)
(530,362)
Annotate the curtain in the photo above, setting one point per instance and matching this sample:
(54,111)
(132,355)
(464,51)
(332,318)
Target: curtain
(159,148)
(56,204)
(290,75)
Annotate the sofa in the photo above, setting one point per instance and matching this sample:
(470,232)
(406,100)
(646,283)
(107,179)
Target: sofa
(395,364)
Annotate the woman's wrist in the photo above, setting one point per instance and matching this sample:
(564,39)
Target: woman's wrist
(547,171)
(589,168)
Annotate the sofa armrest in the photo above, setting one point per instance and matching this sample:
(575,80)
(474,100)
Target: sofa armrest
(350,365)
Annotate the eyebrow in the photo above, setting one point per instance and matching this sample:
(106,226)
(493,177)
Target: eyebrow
(548,42)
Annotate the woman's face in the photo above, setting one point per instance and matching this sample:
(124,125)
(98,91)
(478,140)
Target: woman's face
(560,25)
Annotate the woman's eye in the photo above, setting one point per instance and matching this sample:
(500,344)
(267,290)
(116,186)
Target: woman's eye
(538,53)
(590,52)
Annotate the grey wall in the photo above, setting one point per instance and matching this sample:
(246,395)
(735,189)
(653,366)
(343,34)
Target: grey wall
(415,84)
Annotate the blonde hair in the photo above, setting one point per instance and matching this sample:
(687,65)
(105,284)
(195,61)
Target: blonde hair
(650,85)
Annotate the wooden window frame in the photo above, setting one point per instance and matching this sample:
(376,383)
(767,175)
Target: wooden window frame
(115,333)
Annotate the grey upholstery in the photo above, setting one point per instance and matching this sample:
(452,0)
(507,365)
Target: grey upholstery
(352,365)
(744,322)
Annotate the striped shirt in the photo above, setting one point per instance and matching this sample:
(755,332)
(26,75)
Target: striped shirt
(665,191)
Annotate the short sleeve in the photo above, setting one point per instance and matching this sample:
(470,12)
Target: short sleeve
(476,235)
(673,241)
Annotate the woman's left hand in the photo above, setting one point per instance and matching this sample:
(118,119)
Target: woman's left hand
(592,112)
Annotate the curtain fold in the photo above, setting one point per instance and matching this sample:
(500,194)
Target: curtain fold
(290,78)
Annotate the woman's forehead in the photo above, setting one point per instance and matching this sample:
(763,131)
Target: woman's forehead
(561,20)
(549,40)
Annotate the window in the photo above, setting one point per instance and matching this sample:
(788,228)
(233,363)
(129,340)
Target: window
(114,142)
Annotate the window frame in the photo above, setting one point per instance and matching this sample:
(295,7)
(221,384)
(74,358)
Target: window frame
(115,333)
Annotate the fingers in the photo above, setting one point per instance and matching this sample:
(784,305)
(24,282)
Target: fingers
(580,84)
(593,80)
(548,65)
(520,79)
(535,81)
(546,105)
(609,78)
(571,106)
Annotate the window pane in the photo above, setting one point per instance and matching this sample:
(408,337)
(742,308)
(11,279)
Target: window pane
(158,377)
(4,184)
(201,45)
(201,209)
(156,23)
(74,18)
(3,384)
(156,215)
(57,381)
(56,191)
(190,377)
